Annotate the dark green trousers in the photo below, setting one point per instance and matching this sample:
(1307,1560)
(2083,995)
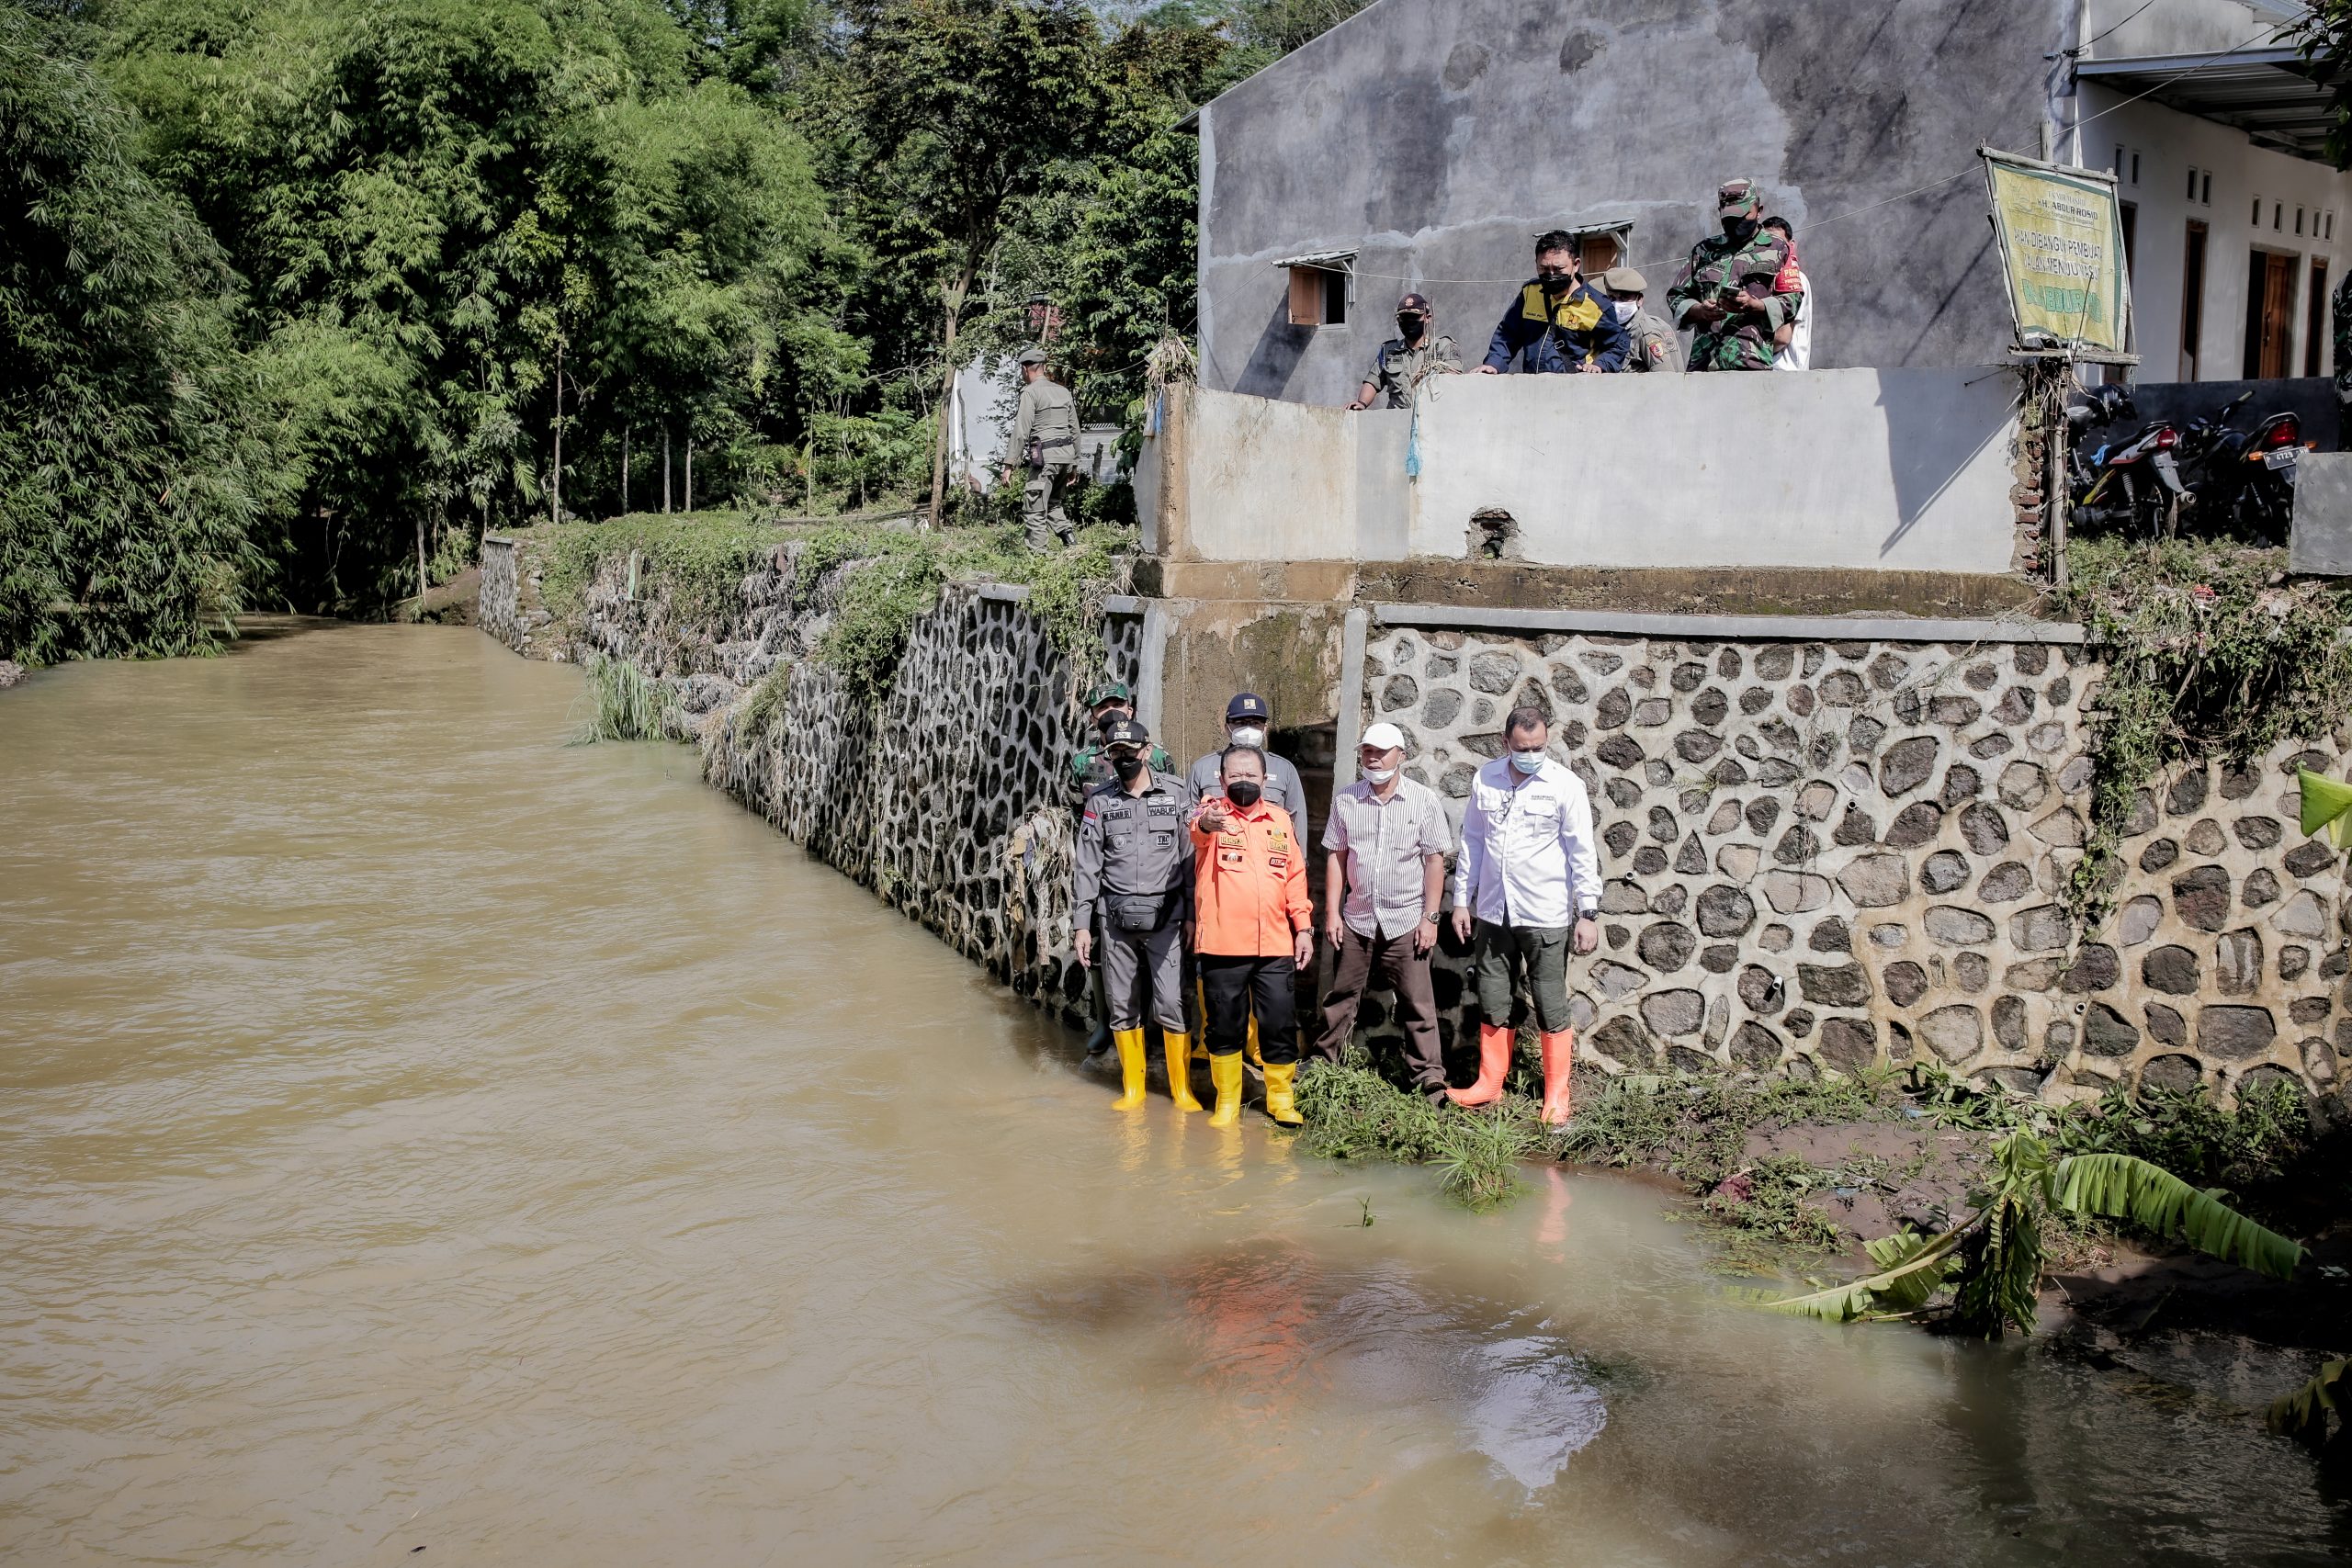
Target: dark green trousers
(1502,958)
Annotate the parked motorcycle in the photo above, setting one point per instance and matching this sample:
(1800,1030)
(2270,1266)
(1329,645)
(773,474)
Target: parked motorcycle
(2130,485)
(2243,481)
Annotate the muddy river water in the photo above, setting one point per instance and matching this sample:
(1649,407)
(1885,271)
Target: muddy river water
(418,1133)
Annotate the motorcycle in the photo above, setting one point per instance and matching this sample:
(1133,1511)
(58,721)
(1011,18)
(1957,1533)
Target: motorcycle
(2130,485)
(2243,481)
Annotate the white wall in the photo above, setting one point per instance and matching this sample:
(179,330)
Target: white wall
(1873,469)
(2169,144)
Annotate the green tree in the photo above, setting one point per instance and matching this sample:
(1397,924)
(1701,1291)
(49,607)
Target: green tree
(129,469)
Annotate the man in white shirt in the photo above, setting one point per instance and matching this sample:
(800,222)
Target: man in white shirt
(1386,845)
(1793,344)
(1529,883)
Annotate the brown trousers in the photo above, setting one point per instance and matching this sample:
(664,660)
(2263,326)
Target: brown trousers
(1401,970)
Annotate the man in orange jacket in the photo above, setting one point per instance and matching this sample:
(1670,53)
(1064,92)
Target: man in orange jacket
(1253,925)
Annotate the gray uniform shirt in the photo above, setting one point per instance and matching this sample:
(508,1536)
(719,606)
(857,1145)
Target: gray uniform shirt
(1282,787)
(1134,844)
(1047,416)
(1398,367)
(1385,845)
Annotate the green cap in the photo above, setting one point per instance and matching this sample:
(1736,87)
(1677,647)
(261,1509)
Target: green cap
(1109,692)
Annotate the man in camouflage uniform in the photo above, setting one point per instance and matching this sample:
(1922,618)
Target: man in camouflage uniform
(1089,769)
(1730,292)
(1406,360)
(1653,344)
(1044,437)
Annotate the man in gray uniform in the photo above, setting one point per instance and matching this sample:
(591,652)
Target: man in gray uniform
(1654,347)
(1044,438)
(1247,721)
(1405,361)
(1134,885)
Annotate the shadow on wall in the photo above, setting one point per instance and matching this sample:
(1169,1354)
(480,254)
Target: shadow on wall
(1279,347)
(1934,432)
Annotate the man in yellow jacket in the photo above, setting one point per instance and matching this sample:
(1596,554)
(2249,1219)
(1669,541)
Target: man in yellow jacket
(1254,927)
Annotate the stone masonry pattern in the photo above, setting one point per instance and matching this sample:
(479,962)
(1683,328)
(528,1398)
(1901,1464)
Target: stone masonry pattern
(1832,855)
(949,802)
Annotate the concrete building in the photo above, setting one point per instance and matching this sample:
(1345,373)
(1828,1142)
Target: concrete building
(1422,143)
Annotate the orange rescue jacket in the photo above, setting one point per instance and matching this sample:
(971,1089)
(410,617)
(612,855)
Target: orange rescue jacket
(1250,885)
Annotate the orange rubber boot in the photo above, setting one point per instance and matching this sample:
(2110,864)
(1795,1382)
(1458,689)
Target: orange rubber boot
(1494,1066)
(1559,1068)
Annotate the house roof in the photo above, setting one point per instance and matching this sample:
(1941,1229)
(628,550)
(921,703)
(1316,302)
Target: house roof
(2274,96)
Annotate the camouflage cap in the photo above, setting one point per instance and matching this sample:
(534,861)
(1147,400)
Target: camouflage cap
(1624,280)
(1736,196)
(1032,356)
(1109,692)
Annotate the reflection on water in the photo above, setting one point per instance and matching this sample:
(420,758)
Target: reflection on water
(418,1133)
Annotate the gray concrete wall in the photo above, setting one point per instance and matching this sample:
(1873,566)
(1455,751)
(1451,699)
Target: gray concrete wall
(1437,136)
(1859,469)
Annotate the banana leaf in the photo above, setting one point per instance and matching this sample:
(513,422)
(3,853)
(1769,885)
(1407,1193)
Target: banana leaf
(2326,804)
(2302,1415)
(2120,1187)
(1912,1266)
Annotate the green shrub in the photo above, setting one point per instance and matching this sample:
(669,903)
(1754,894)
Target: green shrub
(624,703)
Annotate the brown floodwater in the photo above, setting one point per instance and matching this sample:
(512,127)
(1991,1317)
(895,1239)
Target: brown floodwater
(418,1133)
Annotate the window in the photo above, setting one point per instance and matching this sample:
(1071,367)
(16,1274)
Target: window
(2135,168)
(2205,181)
(2298,221)
(1322,286)
(2257,212)
(2315,317)
(2192,182)
(2119,160)
(2279,216)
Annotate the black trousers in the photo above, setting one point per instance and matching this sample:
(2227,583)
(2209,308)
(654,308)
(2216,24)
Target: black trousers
(1234,987)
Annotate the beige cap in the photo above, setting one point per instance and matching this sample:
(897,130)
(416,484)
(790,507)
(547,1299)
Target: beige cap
(1624,280)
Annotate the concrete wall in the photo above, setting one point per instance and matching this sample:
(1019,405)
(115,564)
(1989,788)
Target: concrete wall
(1437,136)
(1880,470)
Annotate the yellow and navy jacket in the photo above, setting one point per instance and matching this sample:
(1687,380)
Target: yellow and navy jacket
(1547,336)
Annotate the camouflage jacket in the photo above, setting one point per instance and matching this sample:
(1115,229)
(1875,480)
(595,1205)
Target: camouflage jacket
(1755,279)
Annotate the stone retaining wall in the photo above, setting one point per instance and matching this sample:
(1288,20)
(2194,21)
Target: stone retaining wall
(1836,854)
(949,802)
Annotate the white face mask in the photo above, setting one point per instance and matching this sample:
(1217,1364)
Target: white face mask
(1379,775)
(1625,308)
(1247,735)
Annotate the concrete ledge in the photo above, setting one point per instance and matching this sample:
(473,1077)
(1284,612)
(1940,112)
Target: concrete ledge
(1697,590)
(1722,628)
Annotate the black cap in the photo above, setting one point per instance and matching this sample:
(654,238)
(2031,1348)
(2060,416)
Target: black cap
(1248,704)
(1126,732)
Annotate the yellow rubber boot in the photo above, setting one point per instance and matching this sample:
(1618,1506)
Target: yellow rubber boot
(1132,1064)
(1225,1073)
(1249,1044)
(1282,1104)
(1180,1070)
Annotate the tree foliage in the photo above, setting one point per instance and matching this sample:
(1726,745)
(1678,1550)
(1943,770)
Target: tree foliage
(311,292)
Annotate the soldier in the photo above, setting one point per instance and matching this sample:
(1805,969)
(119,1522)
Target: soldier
(1559,322)
(1728,292)
(1044,438)
(1405,360)
(1653,345)
(1133,885)
(1088,767)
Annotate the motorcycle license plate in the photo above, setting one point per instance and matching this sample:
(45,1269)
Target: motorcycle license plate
(2282,459)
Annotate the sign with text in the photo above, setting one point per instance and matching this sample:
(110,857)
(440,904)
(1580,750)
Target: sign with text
(2061,239)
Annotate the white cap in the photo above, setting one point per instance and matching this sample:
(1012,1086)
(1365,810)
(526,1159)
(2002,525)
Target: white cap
(1383,738)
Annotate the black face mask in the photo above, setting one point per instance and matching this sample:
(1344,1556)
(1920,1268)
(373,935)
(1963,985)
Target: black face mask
(1244,793)
(1739,227)
(1410,328)
(1558,283)
(1127,768)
